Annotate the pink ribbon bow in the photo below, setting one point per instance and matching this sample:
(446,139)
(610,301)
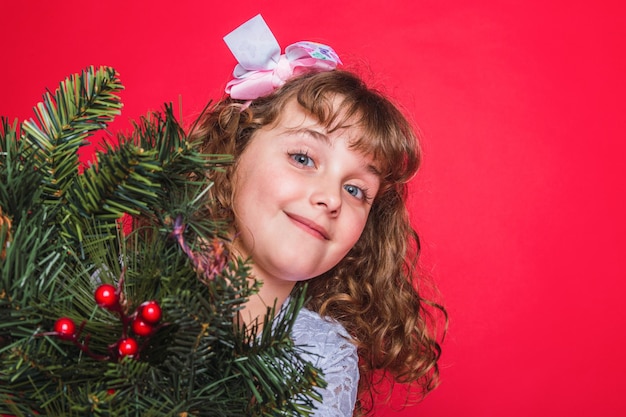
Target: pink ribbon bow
(262,69)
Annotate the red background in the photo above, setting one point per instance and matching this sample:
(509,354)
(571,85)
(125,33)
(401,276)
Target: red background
(520,202)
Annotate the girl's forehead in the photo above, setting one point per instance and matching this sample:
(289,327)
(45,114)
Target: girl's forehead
(294,116)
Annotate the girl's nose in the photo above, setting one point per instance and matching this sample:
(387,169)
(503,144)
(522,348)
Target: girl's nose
(327,197)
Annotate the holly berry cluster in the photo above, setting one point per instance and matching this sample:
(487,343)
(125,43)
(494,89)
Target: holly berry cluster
(142,323)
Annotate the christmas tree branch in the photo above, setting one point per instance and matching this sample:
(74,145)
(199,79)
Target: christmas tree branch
(83,103)
(61,241)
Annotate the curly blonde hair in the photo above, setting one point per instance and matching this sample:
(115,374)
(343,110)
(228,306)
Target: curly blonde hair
(375,292)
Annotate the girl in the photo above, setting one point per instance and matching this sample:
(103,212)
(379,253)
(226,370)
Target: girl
(317,194)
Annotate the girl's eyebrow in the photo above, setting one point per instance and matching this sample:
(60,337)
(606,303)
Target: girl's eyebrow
(371,168)
(309,132)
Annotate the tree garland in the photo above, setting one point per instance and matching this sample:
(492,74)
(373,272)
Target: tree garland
(99,320)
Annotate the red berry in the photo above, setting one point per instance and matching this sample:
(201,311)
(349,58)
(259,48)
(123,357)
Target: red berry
(150,311)
(127,347)
(106,296)
(142,327)
(65,328)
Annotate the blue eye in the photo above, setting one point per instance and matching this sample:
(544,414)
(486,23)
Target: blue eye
(302,159)
(355,191)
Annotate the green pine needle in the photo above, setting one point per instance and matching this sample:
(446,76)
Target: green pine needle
(63,233)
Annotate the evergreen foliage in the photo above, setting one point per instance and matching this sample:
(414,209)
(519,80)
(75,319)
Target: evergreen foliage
(62,235)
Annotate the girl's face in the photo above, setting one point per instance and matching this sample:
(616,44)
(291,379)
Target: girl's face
(301,197)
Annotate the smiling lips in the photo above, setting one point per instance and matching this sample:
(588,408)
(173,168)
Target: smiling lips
(309,226)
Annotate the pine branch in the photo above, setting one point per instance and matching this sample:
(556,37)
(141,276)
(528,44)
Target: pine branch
(32,261)
(60,238)
(150,169)
(124,180)
(19,180)
(277,376)
(83,103)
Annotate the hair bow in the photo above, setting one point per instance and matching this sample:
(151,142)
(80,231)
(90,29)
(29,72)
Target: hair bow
(262,69)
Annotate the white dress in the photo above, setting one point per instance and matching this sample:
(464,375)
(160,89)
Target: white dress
(331,351)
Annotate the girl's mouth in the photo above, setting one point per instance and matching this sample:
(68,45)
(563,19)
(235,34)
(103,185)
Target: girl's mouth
(309,226)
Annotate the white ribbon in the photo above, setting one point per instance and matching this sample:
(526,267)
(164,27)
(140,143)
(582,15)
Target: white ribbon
(262,68)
